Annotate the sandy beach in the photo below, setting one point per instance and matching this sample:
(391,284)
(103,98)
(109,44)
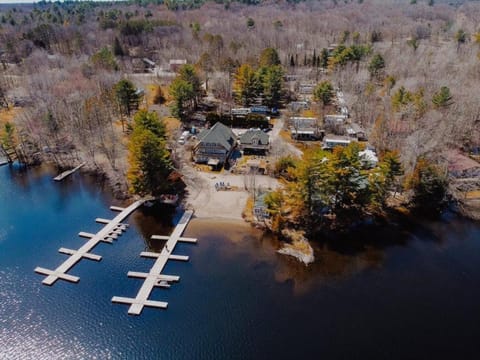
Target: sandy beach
(209,202)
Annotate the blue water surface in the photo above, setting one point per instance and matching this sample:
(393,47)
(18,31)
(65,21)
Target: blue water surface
(390,294)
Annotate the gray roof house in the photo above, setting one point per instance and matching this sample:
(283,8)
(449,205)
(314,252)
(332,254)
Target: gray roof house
(254,140)
(305,128)
(214,145)
(355,131)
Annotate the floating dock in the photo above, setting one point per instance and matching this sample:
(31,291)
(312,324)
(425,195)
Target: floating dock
(64,174)
(155,278)
(112,229)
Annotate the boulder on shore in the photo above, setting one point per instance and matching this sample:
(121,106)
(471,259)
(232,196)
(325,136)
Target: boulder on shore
(299,247)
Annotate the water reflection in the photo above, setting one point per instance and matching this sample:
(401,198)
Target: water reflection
(337,258)
(155,220)
(387,292)
(37,178)
(332,263)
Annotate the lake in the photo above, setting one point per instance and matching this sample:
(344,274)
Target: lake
(396,292)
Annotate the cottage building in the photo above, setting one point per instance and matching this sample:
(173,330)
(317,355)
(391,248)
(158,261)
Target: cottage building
(296,106)
(176,64)
(331,141)
(306,89)
(335,124)
(214,145)
(334,120)
(254,141)
(356,132)
(305,128)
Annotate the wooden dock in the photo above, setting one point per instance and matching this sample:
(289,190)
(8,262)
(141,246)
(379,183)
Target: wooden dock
(3,157)
(112,229)
(64,174)
(155,278)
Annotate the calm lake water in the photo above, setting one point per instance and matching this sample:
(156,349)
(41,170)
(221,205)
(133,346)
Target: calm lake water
(387,294)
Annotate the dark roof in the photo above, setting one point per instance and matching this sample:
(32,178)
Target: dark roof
(248,137)
(218,134)
(304,122)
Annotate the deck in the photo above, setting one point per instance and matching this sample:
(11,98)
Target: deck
(155,278)
(112,229)
(64,174)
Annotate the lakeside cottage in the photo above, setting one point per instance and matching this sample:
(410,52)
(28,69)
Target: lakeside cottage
(214,145)
(254,141)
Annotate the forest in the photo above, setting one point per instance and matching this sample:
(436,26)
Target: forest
(409,70)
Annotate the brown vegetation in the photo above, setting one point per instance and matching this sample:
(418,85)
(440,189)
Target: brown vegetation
(60,66)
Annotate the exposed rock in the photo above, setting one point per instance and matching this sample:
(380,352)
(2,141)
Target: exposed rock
(299,248)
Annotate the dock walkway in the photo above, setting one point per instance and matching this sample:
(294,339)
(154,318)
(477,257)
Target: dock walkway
(64,174)
(155,278)
(112,229)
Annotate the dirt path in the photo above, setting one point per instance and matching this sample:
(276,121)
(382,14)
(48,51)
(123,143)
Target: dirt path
(275,136)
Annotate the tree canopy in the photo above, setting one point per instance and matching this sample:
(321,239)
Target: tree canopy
(332,189)
(186,91)
(269,57)
(150,121)
(428,184)
(323,92)
(376,65)
(272,85)
(149,160)
(127,96)
(182,93)
(442,98)
(246,85)
(104,59)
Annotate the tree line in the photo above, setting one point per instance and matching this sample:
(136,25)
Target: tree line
(335,190)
